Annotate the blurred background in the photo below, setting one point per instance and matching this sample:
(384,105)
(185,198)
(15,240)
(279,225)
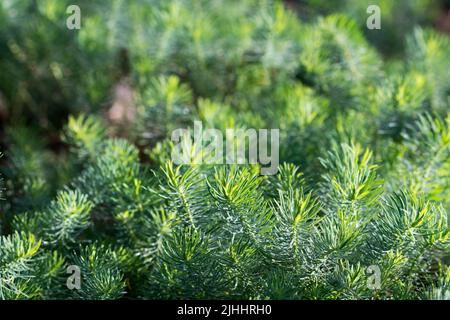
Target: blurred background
(48,71)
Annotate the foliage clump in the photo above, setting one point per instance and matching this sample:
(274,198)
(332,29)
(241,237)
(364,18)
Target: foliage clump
(357,210)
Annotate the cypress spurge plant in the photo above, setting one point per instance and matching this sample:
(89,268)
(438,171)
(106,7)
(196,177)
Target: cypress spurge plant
(358,208)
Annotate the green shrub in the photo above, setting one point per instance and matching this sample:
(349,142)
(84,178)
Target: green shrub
(357,210)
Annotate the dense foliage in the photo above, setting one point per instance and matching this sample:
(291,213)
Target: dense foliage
(88,181)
